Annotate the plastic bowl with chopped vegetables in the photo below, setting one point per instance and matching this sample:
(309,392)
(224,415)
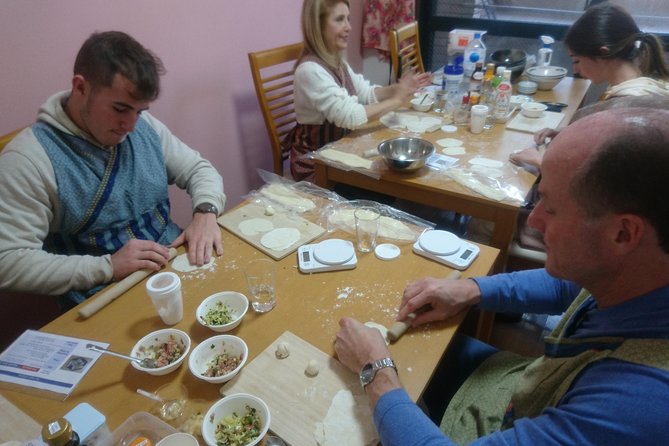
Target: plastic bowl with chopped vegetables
(222,311)
(218,359)
(168,347)
(240,419)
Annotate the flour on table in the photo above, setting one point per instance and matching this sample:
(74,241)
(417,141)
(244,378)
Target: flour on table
(280,238)
(254,226)
(388,227)
(286,197)
(349,159)
(348,422)
(382,329)
(181,264)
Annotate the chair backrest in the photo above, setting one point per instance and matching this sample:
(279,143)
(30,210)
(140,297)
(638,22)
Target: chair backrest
(273,71)
(4,139)
(405,50)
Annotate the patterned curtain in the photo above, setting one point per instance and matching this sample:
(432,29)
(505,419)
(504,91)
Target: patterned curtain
(380,16)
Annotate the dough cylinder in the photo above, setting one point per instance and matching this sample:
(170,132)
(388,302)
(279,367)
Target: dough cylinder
(400,327)
(115,291)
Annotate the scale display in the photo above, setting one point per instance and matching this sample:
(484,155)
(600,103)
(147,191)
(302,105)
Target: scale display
(447,248)
(328,255)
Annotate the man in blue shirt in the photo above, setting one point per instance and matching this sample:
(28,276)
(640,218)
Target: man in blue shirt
(604,378)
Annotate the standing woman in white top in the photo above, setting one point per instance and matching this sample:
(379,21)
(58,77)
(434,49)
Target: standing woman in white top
(330,99)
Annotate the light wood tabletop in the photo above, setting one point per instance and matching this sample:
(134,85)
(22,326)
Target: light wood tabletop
(309,305)
(434,188)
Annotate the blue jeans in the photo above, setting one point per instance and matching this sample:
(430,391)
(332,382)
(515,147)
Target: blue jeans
(463,356)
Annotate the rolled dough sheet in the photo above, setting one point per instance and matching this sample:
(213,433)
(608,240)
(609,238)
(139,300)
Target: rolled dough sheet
(254,226)
(280,238)
(453,151)
(388,227)
(348,422)
(287,197)
(181,264)
(486,162)
(449,142)
(349,159)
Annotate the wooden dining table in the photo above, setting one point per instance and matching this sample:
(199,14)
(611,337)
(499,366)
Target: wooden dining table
(435,188)
(309,305)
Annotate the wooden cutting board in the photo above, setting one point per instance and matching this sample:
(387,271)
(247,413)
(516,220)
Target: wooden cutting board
(524,124)
(308,230)
(296,401)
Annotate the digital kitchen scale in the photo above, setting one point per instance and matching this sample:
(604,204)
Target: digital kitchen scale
(328,255)
(447,248)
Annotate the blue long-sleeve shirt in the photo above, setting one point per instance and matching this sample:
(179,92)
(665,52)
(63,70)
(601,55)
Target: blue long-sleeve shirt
(611,402)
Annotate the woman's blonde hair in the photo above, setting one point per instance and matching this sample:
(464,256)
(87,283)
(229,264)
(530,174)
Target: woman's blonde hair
(314,16)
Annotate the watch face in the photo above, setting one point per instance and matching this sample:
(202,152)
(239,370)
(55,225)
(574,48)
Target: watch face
(367,374)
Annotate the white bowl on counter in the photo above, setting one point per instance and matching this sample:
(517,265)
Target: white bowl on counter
(206,353)
(236,403)
(533,109)
(168,340)
(236,303)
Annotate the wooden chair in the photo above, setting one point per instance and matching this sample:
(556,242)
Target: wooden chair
(273,71)
(405,50)
(4,139)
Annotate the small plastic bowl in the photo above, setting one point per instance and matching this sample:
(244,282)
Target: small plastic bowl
(235,404)
(206,352)
(422,105)
(533,109)
(178,439)
(237,302)
(527,87)
(155,340)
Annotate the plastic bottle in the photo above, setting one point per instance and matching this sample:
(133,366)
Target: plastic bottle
(486,83)
(503,98)
(494,83)
(545,52)
(453,75)
(477,78)
(58,432)
(475,52)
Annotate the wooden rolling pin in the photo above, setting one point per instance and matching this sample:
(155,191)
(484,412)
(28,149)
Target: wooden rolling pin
(400,327)
(115,291)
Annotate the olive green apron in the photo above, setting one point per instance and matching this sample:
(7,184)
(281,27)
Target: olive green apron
(506,386)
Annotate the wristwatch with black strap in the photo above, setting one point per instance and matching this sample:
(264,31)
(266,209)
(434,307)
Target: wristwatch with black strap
(368,372)
(205,208)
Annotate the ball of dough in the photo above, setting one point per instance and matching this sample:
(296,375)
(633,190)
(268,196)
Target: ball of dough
(282,351)
(269,210)
(312,368)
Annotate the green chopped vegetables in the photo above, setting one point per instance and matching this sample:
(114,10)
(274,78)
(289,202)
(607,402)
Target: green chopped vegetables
(234,430)
(219,315)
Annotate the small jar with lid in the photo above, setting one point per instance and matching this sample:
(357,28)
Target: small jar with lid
(59,432)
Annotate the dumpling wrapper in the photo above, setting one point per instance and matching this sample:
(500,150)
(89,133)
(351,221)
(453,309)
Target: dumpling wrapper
(254,226)
(280,238)
(450,142)
(348,422)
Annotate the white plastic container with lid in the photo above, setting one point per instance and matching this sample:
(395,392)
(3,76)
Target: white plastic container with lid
(475,52)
